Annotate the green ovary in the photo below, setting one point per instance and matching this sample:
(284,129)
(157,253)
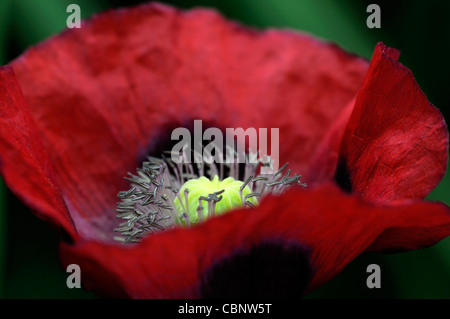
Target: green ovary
(203,187)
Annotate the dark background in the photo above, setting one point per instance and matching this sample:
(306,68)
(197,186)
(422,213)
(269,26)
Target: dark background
(29,266)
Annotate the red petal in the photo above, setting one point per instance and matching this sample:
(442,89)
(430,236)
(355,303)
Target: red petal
(102,94)
(24,163)
(333,231)
(396,143)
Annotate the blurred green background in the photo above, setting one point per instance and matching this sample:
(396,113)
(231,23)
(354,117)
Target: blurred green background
(29,265)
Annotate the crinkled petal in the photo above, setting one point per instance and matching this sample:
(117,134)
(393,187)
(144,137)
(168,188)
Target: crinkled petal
(193,262)
(103,96)
(396,143)
(24,164)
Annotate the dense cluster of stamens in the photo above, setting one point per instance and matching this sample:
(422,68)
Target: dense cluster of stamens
(149,205)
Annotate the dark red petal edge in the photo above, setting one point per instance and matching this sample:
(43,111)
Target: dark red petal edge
(27,170)
(332,227)
(396,143)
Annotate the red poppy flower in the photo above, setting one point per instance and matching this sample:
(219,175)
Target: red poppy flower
(82,109)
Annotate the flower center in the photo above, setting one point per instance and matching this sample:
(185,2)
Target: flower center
(165,194)
(202,198)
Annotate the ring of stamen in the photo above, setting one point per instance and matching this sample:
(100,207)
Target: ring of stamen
(163,194)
